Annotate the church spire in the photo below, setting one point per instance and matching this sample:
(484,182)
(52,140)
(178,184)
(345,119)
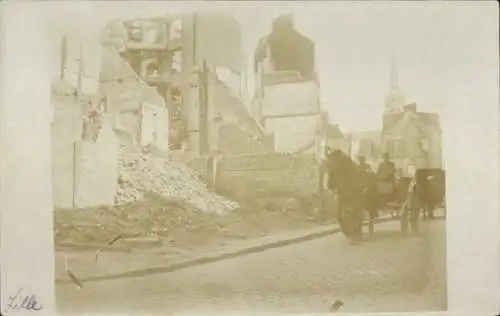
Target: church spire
(395,99)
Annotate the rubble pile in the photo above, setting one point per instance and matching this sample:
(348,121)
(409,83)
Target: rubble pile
(141,173)
(150,217)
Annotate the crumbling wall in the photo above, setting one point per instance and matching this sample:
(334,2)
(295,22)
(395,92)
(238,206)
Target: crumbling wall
(232,130)
(291,104)
(65,130)
(286,181)
(97,169)
(292,134)
(84,172)
(234,140)
(154,126)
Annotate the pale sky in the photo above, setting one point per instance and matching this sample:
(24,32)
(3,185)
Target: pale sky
(438,46)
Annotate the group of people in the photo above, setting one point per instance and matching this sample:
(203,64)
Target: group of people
(350,179)
(386,171)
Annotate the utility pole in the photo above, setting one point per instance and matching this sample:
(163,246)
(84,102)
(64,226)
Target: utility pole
(64,53)
(203,109)
(80,70)
(85,129)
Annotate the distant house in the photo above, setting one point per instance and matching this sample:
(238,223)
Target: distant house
(412,138)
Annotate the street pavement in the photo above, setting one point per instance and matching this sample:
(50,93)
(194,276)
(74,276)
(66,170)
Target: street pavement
(389,273)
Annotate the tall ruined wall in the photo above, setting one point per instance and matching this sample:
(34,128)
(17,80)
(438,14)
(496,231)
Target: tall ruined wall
(292,180)
(65,130)
(293,133)
(290,98)
(84,172)
(97,169)
(291,104)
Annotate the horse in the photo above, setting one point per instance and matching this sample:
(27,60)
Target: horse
(356,192)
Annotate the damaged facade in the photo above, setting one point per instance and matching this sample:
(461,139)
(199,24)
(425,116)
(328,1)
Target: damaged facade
(159,84)
(194,61)
(287,92)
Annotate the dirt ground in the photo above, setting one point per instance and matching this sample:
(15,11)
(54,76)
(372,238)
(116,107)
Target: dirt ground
(174,223)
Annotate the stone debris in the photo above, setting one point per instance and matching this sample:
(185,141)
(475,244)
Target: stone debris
(142,173)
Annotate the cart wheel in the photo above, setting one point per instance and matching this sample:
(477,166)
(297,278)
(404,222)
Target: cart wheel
(322,207)
(414,220)
(430,212)
(371,223)
(404,221)
(322,193)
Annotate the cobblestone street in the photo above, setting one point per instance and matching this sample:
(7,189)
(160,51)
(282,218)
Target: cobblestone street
(389,273)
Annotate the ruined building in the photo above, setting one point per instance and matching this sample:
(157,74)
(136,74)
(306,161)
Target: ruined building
(287,92)
(110,134)
(194,61)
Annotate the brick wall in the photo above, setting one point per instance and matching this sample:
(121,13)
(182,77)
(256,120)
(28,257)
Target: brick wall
(190,159)
(233,139)
(286,181)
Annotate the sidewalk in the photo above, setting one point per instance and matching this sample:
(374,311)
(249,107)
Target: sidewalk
(135,263)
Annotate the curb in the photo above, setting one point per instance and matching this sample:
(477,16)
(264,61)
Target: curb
(217,257)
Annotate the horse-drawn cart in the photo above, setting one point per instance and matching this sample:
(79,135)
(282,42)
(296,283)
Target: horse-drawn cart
(356,197)
(426,192)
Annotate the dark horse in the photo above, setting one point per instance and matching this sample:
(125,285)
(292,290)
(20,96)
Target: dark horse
(356,192)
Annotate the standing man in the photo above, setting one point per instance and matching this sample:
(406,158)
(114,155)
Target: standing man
(386,177)
(386,169)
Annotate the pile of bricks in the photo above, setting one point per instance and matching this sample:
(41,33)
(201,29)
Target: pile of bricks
(142,173)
